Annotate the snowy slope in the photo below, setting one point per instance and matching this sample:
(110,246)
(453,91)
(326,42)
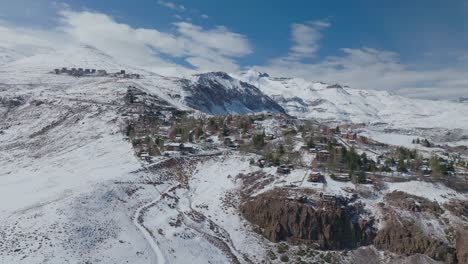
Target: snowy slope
(218,93)
(212,93)
(334,102)
(9,55)
(64,165)
(60,151)
(72,190)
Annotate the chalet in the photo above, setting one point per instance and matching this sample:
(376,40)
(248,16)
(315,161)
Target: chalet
(233,146)
(187,148)
(93,70)
(351,136)
(261,163)
(328,197)
(173,146)
(101,72)
(323,156)
(228,141)
(320,146)
(64,70)
(368,181)
(331,131)
(426,170)
(247,135)
(57,71)
(239,141)
(146,157)
(122,72)
(342,177)
(315,176)
(180,147)
(87,71)
(283,169)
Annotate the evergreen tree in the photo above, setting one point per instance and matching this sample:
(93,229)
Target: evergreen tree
(259,140)
(401,166)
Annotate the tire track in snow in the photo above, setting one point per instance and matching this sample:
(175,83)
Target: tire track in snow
(137,218)
(138,221)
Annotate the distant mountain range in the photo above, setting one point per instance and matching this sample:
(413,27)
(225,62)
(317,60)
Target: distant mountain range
(221,93)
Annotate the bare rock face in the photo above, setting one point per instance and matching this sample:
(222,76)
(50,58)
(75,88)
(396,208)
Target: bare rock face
(457,207)
(461,241)
(413,203)
(218,93)
(12,102)
(404,237)
(329,227)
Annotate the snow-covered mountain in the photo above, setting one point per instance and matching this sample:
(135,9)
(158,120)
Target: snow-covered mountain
(9,55)
(334,102)
(73,191)
(213,93)
(219,93)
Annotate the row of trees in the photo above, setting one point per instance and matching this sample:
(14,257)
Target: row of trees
(423,142)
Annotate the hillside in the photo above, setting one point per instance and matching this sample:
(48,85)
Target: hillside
(335,102)
(79,184)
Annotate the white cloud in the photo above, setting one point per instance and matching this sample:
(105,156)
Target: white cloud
(364,68)
(368,68)
(29,41)
(204,49)
(171,5)
(219,48)
(219,39)
(306,39)
(204,16)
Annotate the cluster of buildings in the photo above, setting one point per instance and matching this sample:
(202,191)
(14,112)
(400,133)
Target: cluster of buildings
(81,72)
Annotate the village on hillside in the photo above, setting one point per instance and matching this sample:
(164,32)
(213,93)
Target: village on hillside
(287,144)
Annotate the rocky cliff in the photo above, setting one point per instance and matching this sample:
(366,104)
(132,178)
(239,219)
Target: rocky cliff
(218,93)
(333,226)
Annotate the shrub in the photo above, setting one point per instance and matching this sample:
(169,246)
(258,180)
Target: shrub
(284,258)
(282,248)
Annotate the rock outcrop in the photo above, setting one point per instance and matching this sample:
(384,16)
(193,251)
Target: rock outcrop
(461,241)
(412,203)
(404,233)
(327,226)
(218,93)
(404,237)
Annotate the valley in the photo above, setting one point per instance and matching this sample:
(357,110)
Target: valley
(212,168)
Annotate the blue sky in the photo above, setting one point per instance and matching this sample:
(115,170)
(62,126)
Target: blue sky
(420,46)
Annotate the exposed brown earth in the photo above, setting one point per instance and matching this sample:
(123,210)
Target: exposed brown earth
(403,236)
(412,203)
(331,226)
(457,207)
(461,241)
